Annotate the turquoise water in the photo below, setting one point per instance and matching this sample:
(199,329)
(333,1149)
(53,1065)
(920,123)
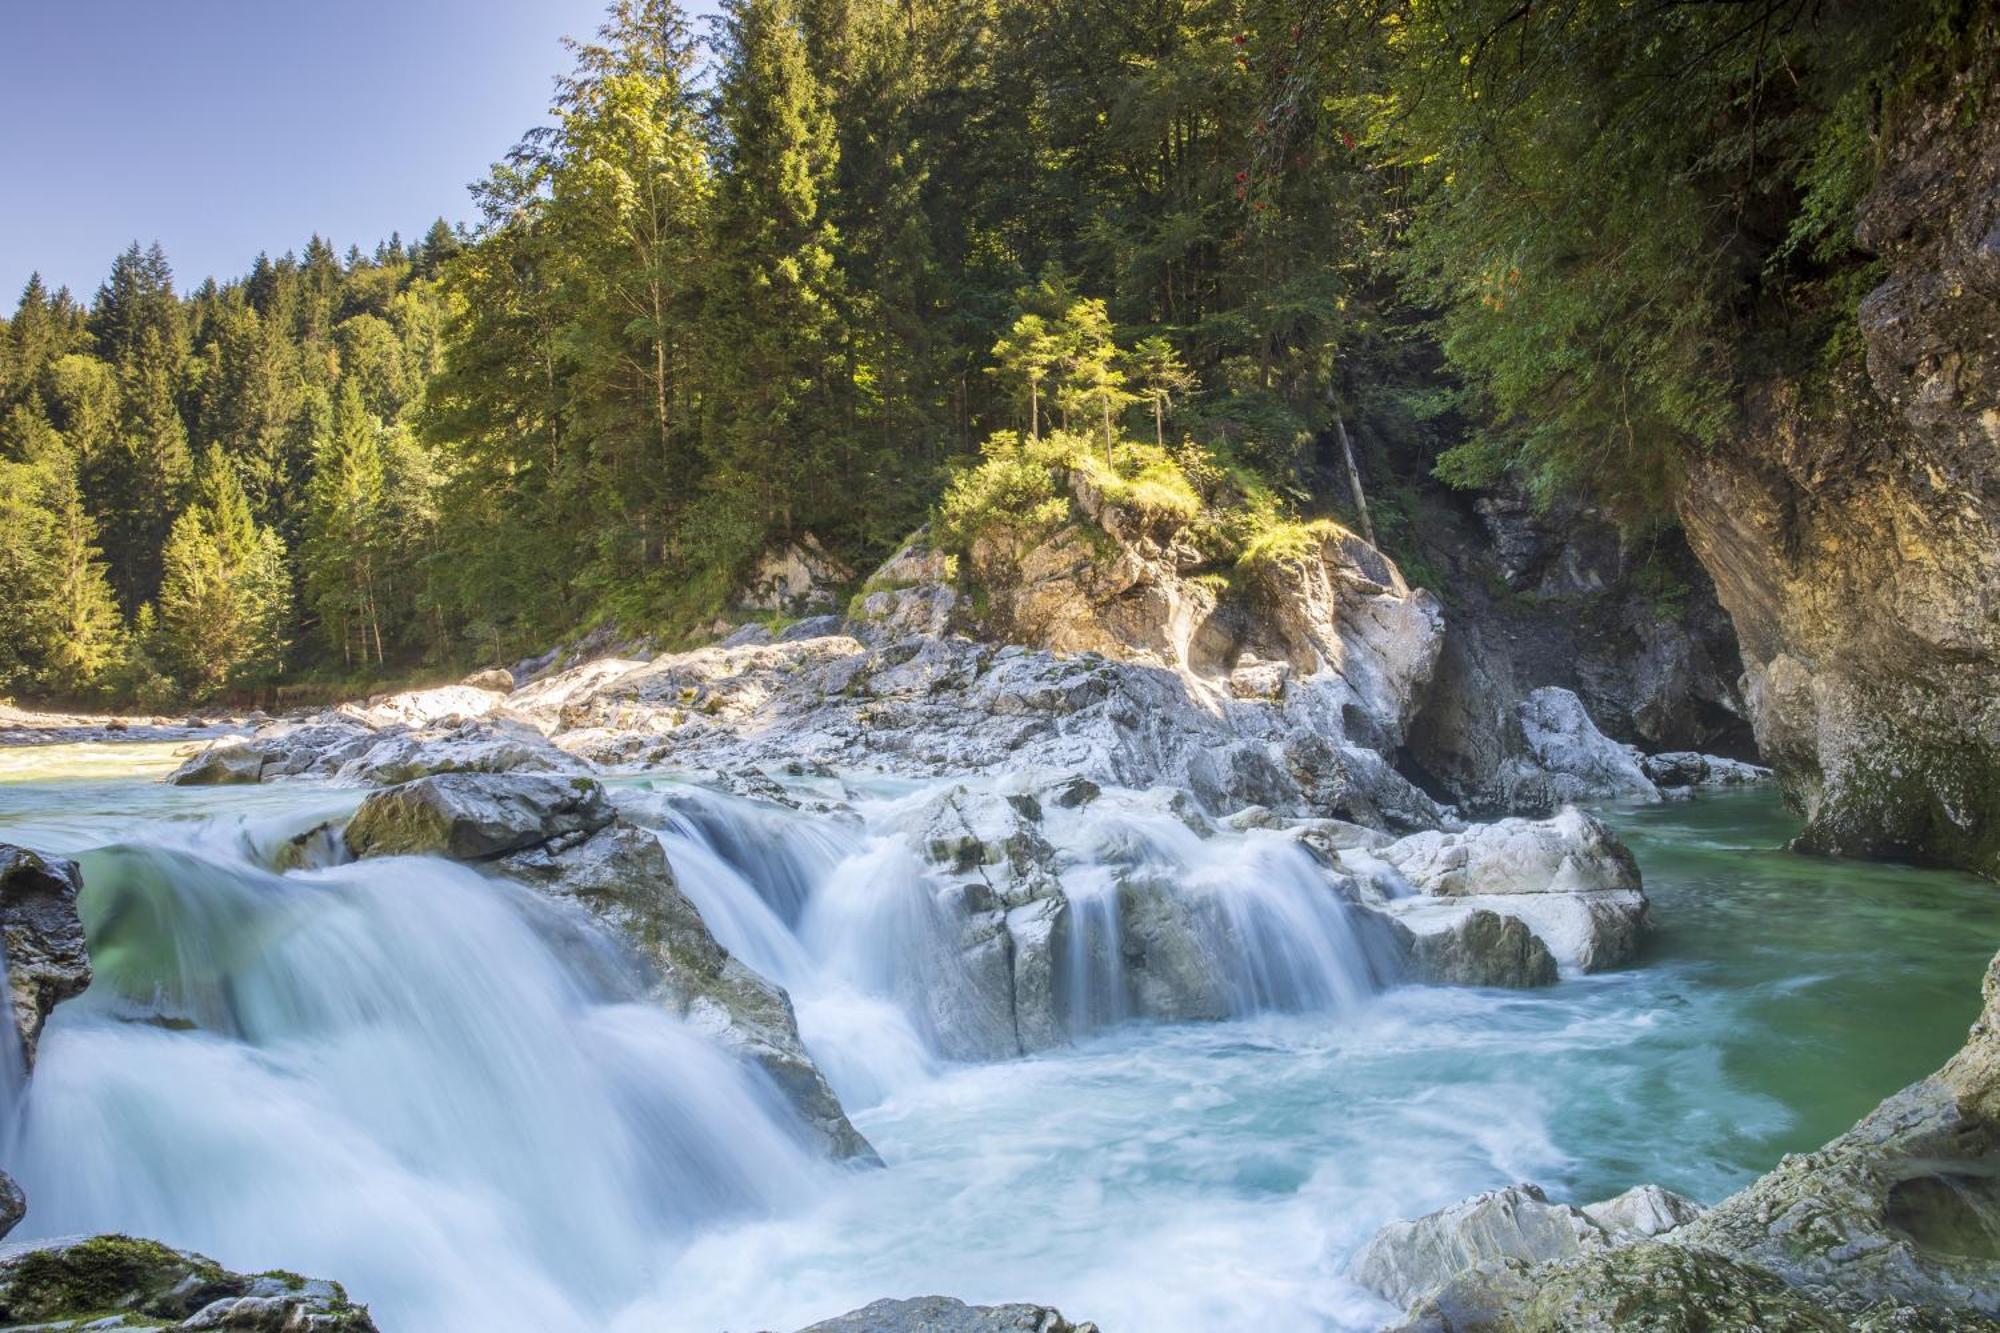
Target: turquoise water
(1183,1178)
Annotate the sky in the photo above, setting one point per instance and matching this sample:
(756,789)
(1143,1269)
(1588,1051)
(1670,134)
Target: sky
(224,127)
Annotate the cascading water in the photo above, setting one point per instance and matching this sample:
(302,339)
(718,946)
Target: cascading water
(385,1071)
(868,937)
(439,1088)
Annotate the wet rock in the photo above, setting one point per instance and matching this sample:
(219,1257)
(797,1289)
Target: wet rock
(120,1282)
(967,830)
(1686,768)
(1569,759)
(941,1314)
(1568,879)
(1652,1289)
(485,745)
(42,939)
(1481,948)
(13,1204)
(475,816)
(1408,1261)
(619,874)
(220,766)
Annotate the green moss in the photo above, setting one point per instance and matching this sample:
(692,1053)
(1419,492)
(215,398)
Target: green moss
(109,1274)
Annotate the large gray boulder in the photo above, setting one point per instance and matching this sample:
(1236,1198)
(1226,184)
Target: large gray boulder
(41,938)
(117,1282)
(563,838)
(1478,948)
(476,816)
(1409,1260)
(476,745)
(942,1314)
(1568,879)
(619,875)
(1569,759)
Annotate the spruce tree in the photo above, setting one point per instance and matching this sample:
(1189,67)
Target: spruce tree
(774,317)
(225,594)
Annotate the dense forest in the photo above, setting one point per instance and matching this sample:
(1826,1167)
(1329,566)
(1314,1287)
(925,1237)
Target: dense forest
(792,276)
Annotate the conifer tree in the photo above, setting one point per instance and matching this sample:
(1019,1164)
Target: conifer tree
(225,594)
(774,317)
(344,530)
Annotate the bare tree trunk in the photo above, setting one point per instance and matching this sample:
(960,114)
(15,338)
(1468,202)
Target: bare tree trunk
(1160,421)
(1354,478)
(1034,411)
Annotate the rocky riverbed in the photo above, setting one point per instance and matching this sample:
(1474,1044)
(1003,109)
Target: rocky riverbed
(854,853)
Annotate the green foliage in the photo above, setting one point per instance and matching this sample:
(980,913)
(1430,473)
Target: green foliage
(225,594)
(1615,198)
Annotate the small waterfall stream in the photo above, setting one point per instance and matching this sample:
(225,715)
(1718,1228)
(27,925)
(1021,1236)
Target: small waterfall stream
(385,1071)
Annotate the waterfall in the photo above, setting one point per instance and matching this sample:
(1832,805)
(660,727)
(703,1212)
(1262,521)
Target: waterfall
(871,940)
(385,1071)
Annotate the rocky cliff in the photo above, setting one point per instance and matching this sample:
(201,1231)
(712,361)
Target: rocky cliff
(1853,531)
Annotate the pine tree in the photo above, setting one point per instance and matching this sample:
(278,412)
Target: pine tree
(225,594)
(345,530)
(1029,353)
(1162,377)
(1089,362)
(774,317)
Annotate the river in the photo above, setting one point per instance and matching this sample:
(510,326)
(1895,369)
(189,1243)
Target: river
(401,1075)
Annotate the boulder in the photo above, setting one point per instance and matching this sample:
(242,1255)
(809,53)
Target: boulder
(1686,768)
(422,708)
(964,829)
(619,874)
(1569,759)
(496,679)
(1568,879)
(1480,948)
(13,1204)
(798,579)
(476,816)
(1643,1210)
(1407,1261)
(476,745)
(221,765)
(41,938)
(941,1314)
(120,1282)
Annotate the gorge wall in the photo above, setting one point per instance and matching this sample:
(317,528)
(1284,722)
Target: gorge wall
(1853,529)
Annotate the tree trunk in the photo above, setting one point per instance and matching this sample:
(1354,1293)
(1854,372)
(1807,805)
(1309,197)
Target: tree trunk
(1354,478)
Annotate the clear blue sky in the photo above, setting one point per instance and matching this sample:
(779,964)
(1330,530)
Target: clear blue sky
(224,127)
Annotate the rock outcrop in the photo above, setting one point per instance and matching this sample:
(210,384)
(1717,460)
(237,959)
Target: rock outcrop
(41,939)
(395,740)
(1560,599)
(1853,530)
(117,1282)
(563,837)
(941,1314)
(1895,1224)
(1408,1262)
(1568,881)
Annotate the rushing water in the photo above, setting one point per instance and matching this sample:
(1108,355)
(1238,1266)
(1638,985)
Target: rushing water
(400,1075)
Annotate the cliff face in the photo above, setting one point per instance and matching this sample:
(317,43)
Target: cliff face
(1853,531)
(1533,600)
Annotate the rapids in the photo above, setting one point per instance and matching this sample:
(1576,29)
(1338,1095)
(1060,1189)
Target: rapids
(415,1079)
